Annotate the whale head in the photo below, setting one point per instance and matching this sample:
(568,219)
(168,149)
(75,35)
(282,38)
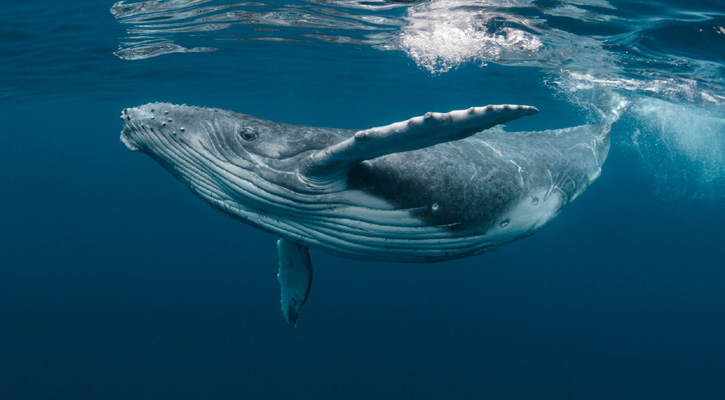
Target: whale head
(170,133)
(223,156)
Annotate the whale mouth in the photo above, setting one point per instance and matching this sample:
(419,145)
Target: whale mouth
(128,142)
(126,137)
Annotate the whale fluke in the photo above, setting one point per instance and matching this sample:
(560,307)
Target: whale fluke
(412,134)
(295,278)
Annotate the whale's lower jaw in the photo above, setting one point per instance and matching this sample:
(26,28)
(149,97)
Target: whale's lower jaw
(129,143)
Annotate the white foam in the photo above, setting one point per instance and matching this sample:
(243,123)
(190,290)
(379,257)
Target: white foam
(683,147)
(687,89)
(572,11)
(441,35)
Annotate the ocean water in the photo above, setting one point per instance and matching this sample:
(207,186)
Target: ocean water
(117,283)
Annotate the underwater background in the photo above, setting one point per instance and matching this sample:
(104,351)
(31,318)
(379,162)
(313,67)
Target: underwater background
(117,283)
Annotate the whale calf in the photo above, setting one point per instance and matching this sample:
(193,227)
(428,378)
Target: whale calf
(431,188)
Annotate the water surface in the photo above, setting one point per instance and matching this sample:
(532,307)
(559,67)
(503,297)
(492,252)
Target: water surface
(116,282)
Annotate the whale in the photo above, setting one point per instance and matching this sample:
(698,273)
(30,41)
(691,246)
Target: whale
(435,187)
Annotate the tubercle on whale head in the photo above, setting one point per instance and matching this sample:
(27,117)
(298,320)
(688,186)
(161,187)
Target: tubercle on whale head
(232,135)
(165,129)
(218,153)
(141,125)
(204,149)
(189,142)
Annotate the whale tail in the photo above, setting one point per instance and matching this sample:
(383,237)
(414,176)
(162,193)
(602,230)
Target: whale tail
(611,107)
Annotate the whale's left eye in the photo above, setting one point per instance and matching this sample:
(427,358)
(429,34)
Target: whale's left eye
(247,134)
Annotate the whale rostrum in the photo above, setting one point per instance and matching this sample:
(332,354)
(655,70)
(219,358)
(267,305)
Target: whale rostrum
(431,188)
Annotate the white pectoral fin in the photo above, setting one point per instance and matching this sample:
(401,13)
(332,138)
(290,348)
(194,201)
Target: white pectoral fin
(415,133)
(295,277)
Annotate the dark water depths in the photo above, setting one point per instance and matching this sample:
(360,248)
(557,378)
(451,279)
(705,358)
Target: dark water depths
(116,282)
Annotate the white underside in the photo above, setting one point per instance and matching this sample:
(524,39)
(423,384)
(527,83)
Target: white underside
(528,215)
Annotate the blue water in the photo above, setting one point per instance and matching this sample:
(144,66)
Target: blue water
(117,283)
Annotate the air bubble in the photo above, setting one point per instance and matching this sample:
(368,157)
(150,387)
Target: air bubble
(535,201)
(504,223)
(434,207)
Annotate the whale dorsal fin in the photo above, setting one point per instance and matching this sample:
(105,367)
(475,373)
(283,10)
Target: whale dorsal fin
(413,134)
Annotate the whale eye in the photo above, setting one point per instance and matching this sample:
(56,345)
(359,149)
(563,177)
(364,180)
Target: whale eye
(247,134)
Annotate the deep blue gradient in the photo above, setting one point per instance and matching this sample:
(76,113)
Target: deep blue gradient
(117,283)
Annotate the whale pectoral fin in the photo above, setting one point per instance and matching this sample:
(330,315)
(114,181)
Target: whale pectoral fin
(295,277)
(415,133)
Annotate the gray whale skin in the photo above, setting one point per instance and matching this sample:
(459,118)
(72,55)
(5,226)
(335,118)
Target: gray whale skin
(431,188)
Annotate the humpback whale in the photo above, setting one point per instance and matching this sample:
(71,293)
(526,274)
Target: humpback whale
(431,188)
